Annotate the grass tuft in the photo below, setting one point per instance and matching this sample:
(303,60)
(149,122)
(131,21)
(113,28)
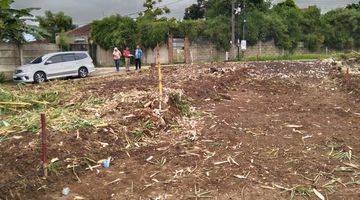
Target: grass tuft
(2,77)
(20,110)
(182,105)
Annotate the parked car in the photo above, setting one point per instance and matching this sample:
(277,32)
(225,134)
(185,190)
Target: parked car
(55,65)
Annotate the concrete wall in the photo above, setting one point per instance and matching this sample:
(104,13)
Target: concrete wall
(199,52)
(31,51)
(10,54)
(262,49)
(205,52)
(9,57)
(150,55)
(104,57)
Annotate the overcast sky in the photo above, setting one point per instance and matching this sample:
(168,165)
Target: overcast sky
(85,11)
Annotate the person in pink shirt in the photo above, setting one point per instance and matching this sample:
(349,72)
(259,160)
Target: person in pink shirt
(127,56)
(117,56)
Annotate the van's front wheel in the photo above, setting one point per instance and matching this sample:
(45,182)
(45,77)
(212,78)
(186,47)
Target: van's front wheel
(39,77)
(83,72)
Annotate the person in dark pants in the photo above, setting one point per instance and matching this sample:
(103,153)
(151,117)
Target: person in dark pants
(117,56)
(138,55)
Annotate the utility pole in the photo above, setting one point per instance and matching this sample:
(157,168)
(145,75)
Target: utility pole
(244,21)
(244,27)
(233,22)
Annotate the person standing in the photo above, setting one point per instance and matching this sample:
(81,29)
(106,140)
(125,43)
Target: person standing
(138,56)
(117,56)
(127,56)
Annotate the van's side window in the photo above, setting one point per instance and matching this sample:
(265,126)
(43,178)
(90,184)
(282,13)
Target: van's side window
(68,57)
(80,56)
(55,59)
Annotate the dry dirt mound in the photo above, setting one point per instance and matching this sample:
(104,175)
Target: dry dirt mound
(259,130)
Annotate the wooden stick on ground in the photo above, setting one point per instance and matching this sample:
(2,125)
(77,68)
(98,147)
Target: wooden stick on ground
(43,144)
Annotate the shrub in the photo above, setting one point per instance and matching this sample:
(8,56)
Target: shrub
(2,77)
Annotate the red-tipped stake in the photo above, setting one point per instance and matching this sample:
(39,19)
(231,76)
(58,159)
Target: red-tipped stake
(43,143)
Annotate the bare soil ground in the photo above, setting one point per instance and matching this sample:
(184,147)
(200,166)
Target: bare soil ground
(261,130)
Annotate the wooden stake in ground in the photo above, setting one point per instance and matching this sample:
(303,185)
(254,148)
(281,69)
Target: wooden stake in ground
(347,76)
(43,143)
(158,65)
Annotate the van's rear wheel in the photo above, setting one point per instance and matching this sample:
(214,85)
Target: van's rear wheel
(83,72)
(39,77)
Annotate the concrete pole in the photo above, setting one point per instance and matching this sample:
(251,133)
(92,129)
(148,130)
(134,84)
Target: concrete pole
(171,49)
(187,50)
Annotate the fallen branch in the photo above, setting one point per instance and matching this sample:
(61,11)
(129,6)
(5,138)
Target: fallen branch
(77,177)
(221,162)
(114,181)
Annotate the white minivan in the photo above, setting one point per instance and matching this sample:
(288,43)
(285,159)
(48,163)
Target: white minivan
(55,65)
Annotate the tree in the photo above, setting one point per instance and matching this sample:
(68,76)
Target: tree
(152,29)
(354,6)
(312,25)
(262,5)
(291,16)
(287,3)
(258,27)
(151,11)
(342,28)
(152,33)
(278,31)
(218,31)
(192,29)
(54,23)
(13,24)
(216,8)
(64,41)
(195,11)
(114,31)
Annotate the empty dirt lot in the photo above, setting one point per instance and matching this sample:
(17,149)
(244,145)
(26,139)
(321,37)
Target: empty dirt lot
(262,130)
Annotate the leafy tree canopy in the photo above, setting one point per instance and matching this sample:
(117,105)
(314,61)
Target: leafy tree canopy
(114,31)
(287,3)
(13,24)
(354,6)
(55,23)
(342,28)
(152,12)
(195,11)
(156,32)
(217,31)
(285,23)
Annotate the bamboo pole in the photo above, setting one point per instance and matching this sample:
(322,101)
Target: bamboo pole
(158,65)
(15,104)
